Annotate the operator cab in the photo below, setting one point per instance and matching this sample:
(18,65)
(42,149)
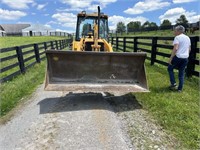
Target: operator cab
(85,25)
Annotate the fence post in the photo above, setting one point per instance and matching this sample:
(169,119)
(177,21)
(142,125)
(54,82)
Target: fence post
(52,45)
(124,44)
(20,59)
(60,44)
(65,45)
(117,38)
(57,45)
(153,50)
(135,44)
(37,54)
(45,46)
(112,38)
(192,56)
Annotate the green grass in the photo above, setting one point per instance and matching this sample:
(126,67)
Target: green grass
(154,33)
(176,112)
(17,41)
(13,91)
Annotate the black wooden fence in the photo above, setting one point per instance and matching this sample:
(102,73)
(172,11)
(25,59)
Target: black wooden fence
(158,50)
(15,60)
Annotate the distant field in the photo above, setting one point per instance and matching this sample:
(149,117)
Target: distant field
(155,33)
(17,41)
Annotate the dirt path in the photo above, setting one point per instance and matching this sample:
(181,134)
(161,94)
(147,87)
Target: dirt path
(86,121)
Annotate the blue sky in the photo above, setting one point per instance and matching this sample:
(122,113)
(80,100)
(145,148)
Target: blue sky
(61,14)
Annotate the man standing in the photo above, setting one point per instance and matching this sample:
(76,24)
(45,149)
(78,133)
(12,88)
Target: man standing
(179,57)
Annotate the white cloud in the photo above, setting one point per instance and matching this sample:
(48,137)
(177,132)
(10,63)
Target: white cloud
(147,5)
(69,10)
(66,19)
(52,22)
(41,6)
(68,31)
(48,26)
(104,3)
(24,22)
(77,5)
(33,4)
(46,14)
(71,25)
(11,15)
(19,4)
(173,14)
(183,1)
(113,20)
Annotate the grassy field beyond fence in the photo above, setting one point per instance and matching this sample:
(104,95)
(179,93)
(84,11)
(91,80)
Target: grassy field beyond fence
(177,113)
(17,41)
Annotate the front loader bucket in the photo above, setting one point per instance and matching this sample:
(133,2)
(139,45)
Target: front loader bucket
(74,71)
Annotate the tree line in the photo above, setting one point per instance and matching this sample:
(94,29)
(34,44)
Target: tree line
(135,26)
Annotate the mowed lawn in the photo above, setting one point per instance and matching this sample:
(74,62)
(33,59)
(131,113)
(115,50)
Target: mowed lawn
(177,113)
(17,41)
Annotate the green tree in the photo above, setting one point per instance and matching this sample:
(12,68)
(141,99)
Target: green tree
(133,26)
(146,24)
(182,21)
(149,26)
(153,26)
(121,27)
(166,24)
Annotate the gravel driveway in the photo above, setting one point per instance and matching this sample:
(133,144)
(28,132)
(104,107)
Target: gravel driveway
(82,121)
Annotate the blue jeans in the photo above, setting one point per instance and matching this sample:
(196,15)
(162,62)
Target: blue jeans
(180,64)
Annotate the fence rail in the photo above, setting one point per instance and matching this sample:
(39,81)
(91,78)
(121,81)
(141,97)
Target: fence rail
(158,50)
(16,60)
(30,33)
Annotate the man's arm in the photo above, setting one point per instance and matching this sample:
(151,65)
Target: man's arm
(175,48)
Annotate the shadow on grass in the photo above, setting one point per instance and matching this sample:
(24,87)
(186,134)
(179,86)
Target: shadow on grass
(89,101)
(161,90)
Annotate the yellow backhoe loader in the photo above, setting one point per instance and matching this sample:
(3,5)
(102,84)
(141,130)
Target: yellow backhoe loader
(91,65)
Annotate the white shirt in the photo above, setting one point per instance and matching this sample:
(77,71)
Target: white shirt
(184,44)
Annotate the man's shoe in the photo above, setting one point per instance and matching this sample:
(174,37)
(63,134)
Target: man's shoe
(173,87)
